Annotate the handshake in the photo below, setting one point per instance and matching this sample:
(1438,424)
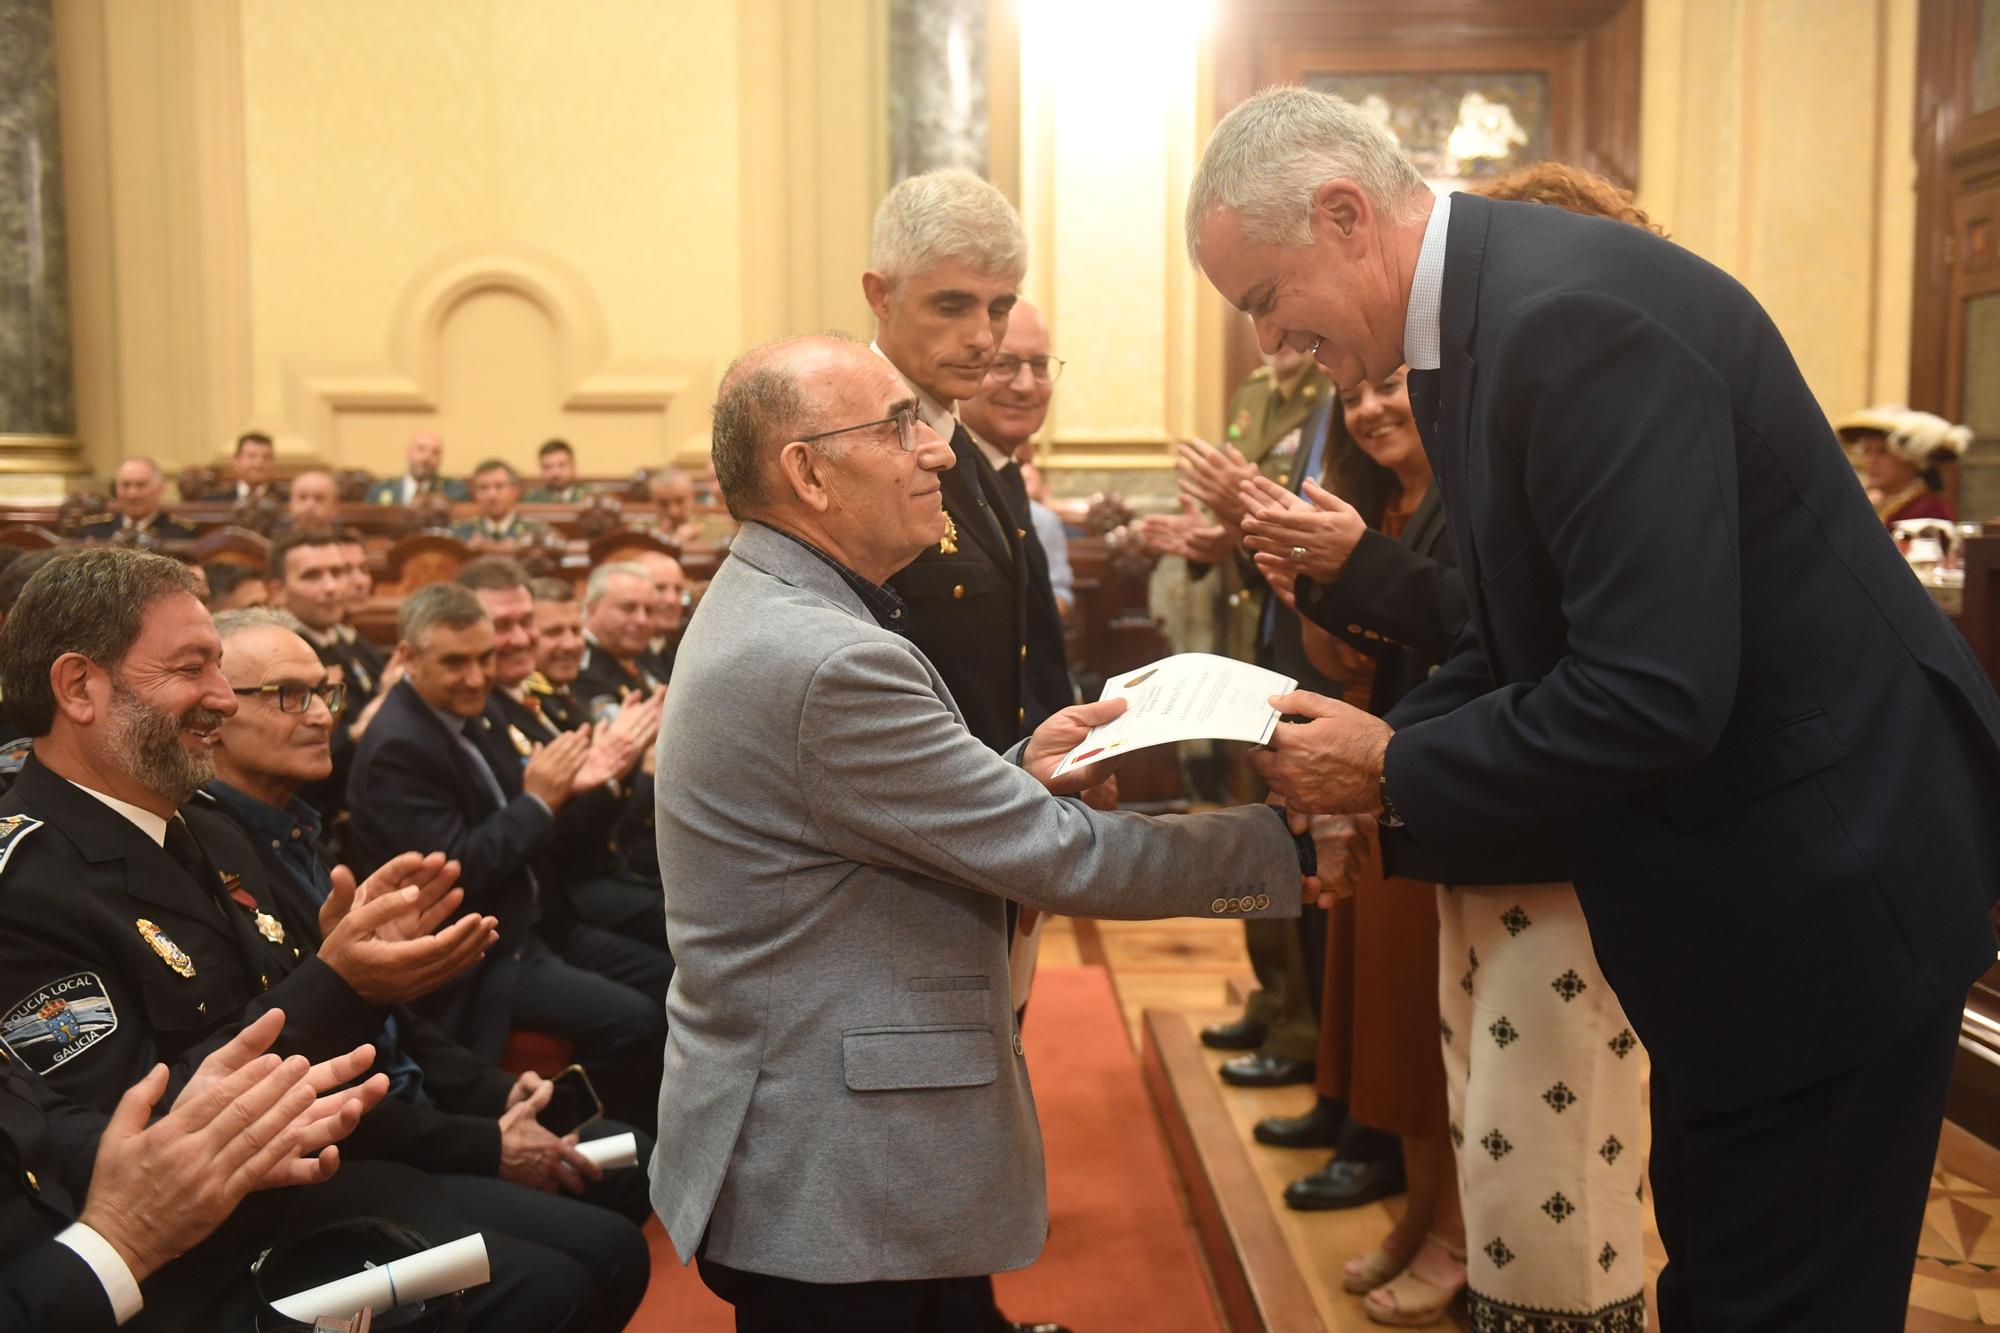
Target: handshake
(1292,764)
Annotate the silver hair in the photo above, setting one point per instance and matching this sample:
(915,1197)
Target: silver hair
(229,624)
(1269,156)
(949,214)
(151,466)
(448,604)
(600,579)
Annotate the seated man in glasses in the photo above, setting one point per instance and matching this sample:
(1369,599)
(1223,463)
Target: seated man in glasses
(477,1128)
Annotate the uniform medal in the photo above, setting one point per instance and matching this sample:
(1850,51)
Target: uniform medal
(949,546)
(170,953)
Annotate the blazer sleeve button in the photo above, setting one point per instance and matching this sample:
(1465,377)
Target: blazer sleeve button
(1218,905)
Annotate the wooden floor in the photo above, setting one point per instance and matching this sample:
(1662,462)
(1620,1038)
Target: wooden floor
(1185,969)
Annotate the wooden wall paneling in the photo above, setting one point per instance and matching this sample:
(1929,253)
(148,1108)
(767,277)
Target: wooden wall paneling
(1591,49)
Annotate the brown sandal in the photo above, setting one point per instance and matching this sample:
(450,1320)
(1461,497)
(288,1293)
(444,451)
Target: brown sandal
(1414,1300)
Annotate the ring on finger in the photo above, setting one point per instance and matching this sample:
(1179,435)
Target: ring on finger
(1299,554)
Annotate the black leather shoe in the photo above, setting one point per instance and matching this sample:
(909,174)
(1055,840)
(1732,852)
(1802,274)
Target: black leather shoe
(1258,1070)
(1317,1128)
(1344,1184)
(1242,1035)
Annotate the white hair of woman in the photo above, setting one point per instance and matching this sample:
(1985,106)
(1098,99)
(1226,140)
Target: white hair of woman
(950,214)
(1269,156)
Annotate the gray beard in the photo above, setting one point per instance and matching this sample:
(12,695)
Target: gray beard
(146,743)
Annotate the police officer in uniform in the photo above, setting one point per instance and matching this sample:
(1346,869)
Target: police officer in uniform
(142,927)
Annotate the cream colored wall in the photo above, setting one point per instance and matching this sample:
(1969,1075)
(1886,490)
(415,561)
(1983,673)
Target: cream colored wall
(1777,142)
(507,218)
(500,219)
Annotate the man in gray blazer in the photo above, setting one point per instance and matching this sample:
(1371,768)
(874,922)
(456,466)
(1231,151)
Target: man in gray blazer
(847,1137)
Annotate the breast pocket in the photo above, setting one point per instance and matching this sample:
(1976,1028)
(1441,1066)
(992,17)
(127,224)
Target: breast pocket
(887,1059)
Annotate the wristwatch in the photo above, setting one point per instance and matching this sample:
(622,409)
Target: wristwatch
(1388,818)
(1302,843)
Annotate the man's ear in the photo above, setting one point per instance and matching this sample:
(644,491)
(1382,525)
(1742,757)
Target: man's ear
(875,287)
(802,471)
(402,655)
(1340,209)
(69,681)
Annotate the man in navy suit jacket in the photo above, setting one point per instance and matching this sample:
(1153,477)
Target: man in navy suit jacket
(1699,670)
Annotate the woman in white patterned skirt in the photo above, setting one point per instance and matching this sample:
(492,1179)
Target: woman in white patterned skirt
(1545,1082)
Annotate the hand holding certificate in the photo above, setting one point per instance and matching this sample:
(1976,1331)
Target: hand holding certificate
(1191,696)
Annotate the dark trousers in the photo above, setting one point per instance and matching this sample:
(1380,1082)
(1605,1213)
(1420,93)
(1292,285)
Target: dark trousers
(766,1304)
(534,1289)
(618,1032)
(607,1251)
(635,911)
(1802,1213)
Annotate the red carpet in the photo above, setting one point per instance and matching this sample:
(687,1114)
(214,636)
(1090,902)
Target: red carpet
(1120,1255)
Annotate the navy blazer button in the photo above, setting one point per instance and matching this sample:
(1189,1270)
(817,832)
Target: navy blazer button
(1217,905)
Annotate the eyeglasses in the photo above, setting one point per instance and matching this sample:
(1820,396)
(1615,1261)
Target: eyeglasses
(1045,369)
(904,421)
(294,698)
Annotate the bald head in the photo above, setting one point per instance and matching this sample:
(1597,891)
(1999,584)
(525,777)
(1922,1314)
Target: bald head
(770,396)
(139,487)
(1012,405)
(314,500)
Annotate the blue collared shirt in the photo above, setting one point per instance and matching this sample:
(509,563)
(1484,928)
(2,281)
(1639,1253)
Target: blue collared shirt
(1422,339)
(293,833)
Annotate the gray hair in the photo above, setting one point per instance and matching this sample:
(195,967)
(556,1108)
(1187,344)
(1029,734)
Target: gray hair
(761,407)
(229,624)
(671,472)
(949,214)
(1269,156)
(435,604)
(91,602)
(600,579)
(552,590)
(151,466)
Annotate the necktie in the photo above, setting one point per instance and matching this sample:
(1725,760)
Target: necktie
(1016,491)
(1424,390)
(181,845)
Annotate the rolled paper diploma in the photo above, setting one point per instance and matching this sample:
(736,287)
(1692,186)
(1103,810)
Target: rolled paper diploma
(415,1277)
(618,1150)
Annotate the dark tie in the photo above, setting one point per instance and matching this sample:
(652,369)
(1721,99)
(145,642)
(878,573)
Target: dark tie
(1016,491)
(1424,391)
(180,844)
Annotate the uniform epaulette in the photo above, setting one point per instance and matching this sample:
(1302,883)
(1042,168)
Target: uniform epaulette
(14,830)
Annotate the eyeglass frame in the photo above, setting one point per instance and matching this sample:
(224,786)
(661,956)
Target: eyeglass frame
(332,693)
(904,420)
(1053,364)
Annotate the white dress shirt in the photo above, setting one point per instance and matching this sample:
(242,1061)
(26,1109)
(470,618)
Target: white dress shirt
(1422,339)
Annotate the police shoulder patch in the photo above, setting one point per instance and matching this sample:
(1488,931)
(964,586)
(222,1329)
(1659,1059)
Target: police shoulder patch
(56,1022)
(14,831)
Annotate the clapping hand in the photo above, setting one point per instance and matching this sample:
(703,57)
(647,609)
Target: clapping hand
(1188,535)
(1215,477)
(552,769)
(618,744)
(1331,765)
(381,939)
(1060,734)
(1312,535)
(245,1121)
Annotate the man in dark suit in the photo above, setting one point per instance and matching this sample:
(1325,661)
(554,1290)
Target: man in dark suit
(433,770)
(139,488)
(1700,668)
(423,459)
(980,604)
(619,602)
(948,256)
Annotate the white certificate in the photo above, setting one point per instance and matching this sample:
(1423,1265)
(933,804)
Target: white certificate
(1188,697)
(422,1276)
